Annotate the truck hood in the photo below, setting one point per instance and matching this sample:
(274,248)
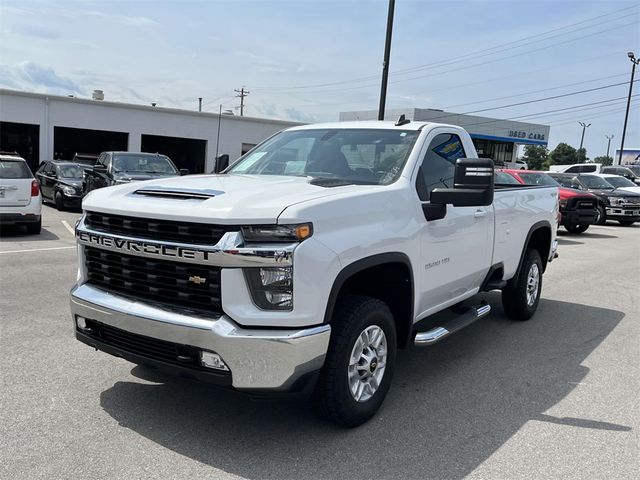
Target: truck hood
(224,199)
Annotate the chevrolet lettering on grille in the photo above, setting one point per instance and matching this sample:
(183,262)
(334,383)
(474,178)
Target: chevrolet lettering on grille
(147,249)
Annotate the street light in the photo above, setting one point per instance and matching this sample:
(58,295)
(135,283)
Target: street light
(385,63)
(635,62)
(609,138)
(584,127)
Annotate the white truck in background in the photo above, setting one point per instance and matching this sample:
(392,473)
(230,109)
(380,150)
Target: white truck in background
(309,262)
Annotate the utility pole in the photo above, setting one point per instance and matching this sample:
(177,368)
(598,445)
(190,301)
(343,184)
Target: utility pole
(584,127)
(218,136)
(635,61)
(385,63)
(199,104)
(609,138)
(241,94)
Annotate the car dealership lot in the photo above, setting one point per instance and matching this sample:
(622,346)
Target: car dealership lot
(553,397)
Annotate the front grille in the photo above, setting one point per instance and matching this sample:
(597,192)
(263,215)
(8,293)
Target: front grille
(163,230)
(160,281)
(152,348)
(581,203)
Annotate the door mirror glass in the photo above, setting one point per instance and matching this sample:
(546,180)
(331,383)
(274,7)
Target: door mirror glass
(473,184)
(100,168)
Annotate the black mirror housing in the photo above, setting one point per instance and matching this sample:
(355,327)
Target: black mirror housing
(222,162)
(184,171)
(473,184)
(100,168)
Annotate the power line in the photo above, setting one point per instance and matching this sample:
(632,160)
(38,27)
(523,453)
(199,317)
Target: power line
(449,61)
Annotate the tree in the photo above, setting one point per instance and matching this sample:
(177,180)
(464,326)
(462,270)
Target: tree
(536,156)
(563,154)
(604,160)
(581,155)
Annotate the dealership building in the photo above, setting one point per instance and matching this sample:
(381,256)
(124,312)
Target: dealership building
(493,138)
(43,127)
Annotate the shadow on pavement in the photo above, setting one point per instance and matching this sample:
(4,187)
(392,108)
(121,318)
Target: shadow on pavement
(450,407)
(19,232)
(566,241)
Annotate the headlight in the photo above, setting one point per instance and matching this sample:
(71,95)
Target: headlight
(271,288)
(121,181)
(563,203)
(277,233)
(69,190)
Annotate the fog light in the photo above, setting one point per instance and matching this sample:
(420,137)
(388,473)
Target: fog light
(81,322)
(212,360)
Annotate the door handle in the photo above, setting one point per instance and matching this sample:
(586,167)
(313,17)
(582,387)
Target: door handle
(480,213)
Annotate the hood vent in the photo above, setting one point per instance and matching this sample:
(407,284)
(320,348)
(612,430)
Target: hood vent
(178,194)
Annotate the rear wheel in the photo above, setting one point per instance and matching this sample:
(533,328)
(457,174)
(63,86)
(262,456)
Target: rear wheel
(34,228)
(626,223)
(601,219)
(576,228)
(521,296)
(59,201)
(359,364)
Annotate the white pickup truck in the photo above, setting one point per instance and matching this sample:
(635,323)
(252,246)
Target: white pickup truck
(309,262)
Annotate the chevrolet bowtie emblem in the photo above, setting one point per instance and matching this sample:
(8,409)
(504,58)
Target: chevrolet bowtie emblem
(197,280)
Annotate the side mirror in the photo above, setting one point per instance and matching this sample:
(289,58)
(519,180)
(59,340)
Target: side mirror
(473,184)
(99,168)
(184,171)
(222,162)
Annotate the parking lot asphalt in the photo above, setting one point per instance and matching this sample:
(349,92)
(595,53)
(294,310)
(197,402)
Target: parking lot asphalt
(555,397)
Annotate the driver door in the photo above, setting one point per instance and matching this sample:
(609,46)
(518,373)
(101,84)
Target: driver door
(456,250)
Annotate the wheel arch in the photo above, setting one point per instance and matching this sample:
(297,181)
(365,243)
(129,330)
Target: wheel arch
(538,237)
(397,291)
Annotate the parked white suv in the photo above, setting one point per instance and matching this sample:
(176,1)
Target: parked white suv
(20,199)
(311,260)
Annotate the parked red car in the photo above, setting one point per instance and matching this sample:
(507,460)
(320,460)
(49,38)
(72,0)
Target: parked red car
(578,209)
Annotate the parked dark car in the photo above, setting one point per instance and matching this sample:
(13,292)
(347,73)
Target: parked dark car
(612,204)
(623,171)
(61,182)
(113,168)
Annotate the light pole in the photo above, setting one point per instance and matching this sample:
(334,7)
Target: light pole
(385,63)
(584,127)
(635,62)
(609,138)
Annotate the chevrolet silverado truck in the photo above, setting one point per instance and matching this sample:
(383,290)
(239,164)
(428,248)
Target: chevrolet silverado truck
(310,261)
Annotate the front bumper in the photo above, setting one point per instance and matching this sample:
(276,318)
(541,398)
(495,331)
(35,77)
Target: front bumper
(579,217)
(258,359)
(624,213)
(72,201)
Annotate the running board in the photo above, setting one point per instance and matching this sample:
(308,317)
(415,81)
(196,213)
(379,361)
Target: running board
(425,339)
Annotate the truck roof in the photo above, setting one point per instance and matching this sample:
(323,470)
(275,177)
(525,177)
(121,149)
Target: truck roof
(369,124)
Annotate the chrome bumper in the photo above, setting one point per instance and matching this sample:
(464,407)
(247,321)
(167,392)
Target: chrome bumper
(257,358)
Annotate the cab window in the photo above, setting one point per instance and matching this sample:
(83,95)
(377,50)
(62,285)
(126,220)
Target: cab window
(438,165)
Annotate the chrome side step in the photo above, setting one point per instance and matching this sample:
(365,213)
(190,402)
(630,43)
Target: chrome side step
(425,339)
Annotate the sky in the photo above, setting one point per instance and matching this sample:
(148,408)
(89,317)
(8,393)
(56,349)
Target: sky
(308,60)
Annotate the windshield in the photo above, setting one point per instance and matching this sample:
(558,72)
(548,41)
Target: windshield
(505,178)
(361,156)
(591,181)
(635,169)
(620,182)
(143,164)
(72,171)
(538,179)
(14,169)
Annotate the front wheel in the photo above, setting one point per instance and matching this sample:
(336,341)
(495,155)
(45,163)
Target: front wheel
(521,296)
(626,223)
(576,228)
(59,201)
(601,218)
(359,364)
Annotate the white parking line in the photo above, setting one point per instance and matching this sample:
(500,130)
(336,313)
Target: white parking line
(36,250)
(68,227)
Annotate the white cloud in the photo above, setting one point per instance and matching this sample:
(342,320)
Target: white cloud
(31,76)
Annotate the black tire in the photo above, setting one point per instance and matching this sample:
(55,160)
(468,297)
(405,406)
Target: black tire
(576,228)
(514,295)
(59,201)
(601,219)
(626,223)
(34,228)
(332,397)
